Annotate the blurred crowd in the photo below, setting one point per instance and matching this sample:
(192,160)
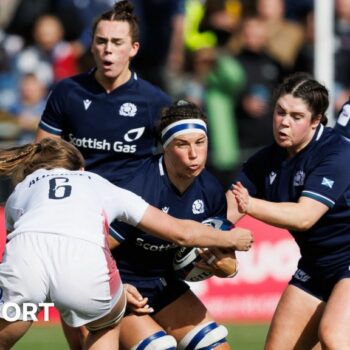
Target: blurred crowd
(226,56)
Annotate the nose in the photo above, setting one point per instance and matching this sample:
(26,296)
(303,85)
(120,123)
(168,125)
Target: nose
(108,47)
(192,151)
(285,121)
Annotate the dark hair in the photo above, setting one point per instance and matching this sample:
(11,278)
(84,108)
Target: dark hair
(122,11)
(303,85)
(18,162)
(180,110)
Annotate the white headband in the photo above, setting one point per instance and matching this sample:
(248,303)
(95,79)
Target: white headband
(181,127)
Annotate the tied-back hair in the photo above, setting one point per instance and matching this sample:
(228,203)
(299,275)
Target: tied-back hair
(180,110)
(304,86)
(122,11)
(18,162)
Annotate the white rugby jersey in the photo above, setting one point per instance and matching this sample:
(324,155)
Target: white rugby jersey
(79,204)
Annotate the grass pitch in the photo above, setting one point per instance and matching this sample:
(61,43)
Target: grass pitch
(50,337)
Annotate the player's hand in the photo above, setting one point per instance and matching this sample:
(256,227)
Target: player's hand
(135,301)
(220,261)
(243,238)
(242,198)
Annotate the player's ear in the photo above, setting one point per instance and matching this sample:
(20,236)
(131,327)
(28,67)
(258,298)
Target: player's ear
(135,49)
(316,121)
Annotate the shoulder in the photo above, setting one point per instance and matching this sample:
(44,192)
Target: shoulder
(152,90)
(332,148)
(75,80)
(145,177)
(343,120)
(333,140)
(95,178)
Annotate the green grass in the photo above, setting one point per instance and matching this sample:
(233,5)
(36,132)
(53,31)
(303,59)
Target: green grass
(241,337)
(247,337)
(40,337)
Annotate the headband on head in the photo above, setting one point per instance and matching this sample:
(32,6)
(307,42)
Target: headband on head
(181,127)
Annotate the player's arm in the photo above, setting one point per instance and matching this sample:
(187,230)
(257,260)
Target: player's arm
(191,233)
(41,134)
(298,216)
(233,213)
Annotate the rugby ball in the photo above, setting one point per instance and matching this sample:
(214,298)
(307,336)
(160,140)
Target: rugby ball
(185,258)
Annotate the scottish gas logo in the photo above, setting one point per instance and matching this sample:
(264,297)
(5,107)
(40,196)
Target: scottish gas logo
(124,146)
(12,312)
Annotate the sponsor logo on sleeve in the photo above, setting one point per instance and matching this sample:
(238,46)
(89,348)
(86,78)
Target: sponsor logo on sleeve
(327,182)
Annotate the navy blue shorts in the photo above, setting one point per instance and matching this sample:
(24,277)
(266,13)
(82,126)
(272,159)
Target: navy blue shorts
(160,291)
(319,281)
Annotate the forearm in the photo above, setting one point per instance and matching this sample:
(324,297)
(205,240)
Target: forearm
(296,216)
(286,215)
(199,235)
(191,233)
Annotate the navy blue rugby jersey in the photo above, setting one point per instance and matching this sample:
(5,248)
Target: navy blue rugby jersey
(320,171)
(141,254)
(343,120)
(114,131)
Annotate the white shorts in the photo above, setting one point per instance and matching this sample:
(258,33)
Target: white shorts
(79,277)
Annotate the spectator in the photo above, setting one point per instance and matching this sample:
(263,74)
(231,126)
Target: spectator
(7,9)
(224,85)
(24,15)
(29,107)
(221,17)
(305,59)
(296,10)
(10,46)
(50,57)
(342,52)
(191,84)
(284,37)
(263,73)
(161,40)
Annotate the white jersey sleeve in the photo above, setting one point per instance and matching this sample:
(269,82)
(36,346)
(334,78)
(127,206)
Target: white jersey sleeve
(129,207)
(74,203)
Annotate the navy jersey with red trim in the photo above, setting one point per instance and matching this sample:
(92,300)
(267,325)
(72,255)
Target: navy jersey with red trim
(320,171)
(114,131)
(141,254)
(343,120)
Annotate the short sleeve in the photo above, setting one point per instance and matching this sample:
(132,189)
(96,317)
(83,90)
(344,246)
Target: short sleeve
(329,179)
